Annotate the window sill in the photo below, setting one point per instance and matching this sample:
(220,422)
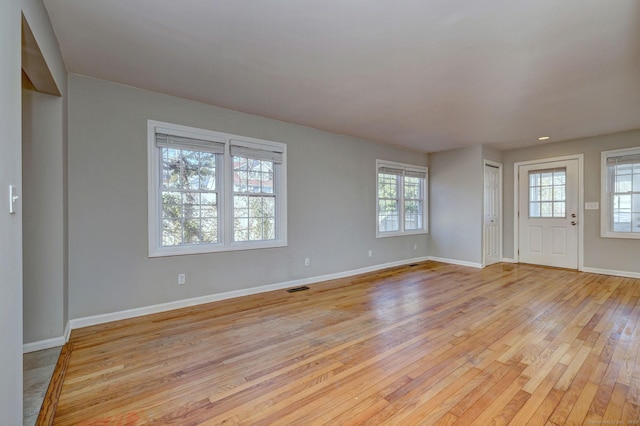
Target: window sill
(623,235)
(399,234)
(213,248)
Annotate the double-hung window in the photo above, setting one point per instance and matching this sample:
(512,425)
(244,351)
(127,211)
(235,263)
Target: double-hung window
(212,191)
(620,211)
(401,199)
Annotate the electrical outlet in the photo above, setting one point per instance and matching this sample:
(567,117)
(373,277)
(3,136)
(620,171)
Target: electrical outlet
(370,253)
(415,246)
(307,261)
(182,278)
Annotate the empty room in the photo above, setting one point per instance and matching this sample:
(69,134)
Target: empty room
(307,213)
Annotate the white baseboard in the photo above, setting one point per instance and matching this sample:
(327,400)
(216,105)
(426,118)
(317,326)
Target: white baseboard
(43,344)
(508,260)
(626,274)
(185,303)
(456,262)
(67,331)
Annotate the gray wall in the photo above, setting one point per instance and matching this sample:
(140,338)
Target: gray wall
(44,127)
(455,200)
(43,216)
(603,253)
(491,154)
(331,203)
(10,225)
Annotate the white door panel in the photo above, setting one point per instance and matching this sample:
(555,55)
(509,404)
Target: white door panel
(548,213)
(492,214)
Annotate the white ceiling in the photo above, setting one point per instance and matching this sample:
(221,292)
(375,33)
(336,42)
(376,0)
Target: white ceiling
(427,74)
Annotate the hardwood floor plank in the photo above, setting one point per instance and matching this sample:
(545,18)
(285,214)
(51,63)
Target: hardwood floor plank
(429,344)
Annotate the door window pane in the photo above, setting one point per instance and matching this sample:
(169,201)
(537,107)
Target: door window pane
(547,193)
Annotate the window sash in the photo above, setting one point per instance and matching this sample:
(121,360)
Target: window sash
(401,220)
(263,222)
(621,193)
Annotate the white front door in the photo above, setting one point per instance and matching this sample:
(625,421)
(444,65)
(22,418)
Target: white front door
(548,213)
(492,214)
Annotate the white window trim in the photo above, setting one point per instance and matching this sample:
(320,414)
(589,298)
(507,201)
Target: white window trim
(605,206)
(225,213)
(425,202)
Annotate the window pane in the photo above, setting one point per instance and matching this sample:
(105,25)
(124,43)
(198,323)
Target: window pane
(534,179)
(534,194)
(546,179)
(254,217)
(171,205)
(636,181)
(623,169)
(269,206)
(387,186)
(191,231)
(559,177)
(171,232)
(622,202)
(534,210)
(207,171)
(546,209)
(558,193)
(546,193)
(635,222)
(190,176)
(270,229)
(388,206)
(623,183)
(209,230)
(559,209)
(412,186)
(267,182)
(635,203)
(170,168)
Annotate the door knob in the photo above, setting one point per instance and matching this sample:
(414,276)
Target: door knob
(573,215)
(574,223)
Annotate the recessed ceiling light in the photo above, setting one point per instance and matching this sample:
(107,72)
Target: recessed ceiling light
(543,138)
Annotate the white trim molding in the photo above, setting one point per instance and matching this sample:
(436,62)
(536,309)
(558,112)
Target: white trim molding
(456,262)
(508,260)
(185,303)
(43,344)
(626,274)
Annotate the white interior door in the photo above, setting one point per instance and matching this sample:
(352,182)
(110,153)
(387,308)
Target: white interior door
(548,213)
(492,214)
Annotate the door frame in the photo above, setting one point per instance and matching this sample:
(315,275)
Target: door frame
(500,209)
(516,200)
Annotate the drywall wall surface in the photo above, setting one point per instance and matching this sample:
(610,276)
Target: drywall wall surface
(456,204)
(44,140)
(331,203)
(603,253)
(43,216)
(491,154)
(37,17)
(10,224)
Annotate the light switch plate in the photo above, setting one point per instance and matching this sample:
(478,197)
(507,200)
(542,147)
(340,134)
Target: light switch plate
(13,198)
(593,205)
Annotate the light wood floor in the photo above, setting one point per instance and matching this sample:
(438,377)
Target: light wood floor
(429,344)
